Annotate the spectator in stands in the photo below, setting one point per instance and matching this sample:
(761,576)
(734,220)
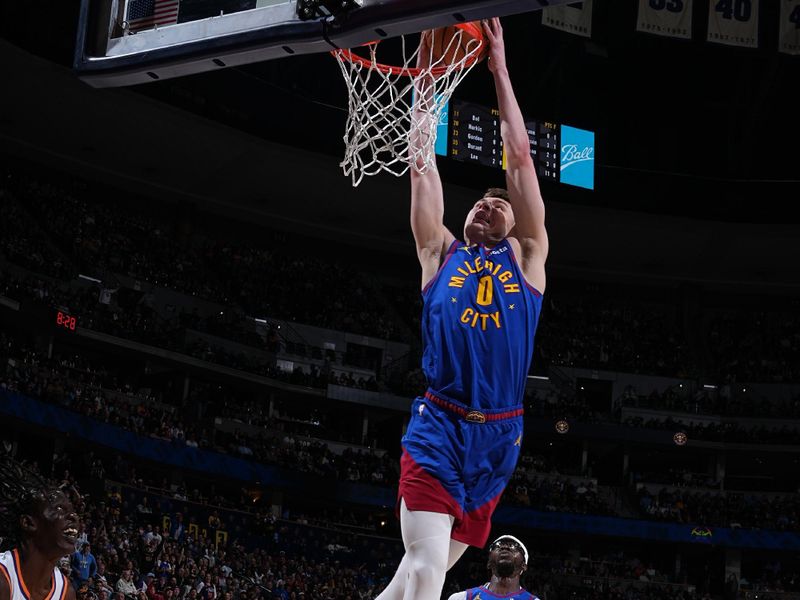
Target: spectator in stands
(84,564)
(101,580)
(83,537)
(178,529)
(127,587)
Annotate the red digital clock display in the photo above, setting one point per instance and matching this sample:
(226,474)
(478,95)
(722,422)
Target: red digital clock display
(66,321)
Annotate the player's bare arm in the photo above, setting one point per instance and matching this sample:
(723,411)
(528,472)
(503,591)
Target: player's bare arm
(427,202)
(529,236)
(5,587)
(70,595)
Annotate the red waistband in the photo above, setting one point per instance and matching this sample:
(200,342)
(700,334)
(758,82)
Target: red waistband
(471,415)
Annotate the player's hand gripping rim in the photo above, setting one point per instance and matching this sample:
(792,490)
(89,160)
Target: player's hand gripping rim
(493,32)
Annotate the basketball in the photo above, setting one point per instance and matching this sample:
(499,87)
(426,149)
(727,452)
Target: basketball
(452,44)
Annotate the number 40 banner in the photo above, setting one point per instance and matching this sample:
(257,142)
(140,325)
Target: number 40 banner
(733,22)
(790,27)
(672,18)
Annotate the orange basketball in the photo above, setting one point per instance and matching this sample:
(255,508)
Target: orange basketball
(452,44)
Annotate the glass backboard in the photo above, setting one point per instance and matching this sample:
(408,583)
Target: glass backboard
(127,42)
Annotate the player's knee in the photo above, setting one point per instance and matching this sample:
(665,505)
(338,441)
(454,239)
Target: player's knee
(428,572)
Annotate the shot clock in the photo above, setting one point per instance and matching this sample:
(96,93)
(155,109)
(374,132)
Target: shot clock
(66,321)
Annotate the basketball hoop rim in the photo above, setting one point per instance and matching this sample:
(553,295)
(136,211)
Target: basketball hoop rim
(471,29)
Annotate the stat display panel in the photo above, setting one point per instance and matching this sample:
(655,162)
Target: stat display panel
(544,139)
(474,137)
(475,134)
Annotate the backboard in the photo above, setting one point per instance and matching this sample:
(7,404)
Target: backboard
(127,42)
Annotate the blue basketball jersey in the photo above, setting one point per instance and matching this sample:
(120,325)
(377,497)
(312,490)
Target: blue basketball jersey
(478,323)
(483,593)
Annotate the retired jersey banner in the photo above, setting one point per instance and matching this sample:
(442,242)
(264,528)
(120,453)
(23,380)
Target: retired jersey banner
(575,19)
(789,41)
(672,18)
(733,22)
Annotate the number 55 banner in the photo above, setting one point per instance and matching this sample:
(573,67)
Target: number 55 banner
(733,22)
(672,18)
(790,27)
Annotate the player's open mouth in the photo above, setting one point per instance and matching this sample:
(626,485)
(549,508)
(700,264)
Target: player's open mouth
(71,532)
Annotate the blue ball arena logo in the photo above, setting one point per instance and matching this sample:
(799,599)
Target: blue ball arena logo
(577,157)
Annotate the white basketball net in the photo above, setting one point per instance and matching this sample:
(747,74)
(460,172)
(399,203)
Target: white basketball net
(380,122)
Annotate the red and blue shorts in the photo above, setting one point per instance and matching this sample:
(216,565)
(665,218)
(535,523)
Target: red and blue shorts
(458,461)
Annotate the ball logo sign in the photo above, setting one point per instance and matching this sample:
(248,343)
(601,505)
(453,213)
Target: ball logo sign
(577,157)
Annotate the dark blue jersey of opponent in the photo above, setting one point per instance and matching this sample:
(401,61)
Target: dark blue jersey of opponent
(483,593)
(478,323)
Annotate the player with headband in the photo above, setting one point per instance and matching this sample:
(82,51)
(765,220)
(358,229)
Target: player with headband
(482,299)
(508,560)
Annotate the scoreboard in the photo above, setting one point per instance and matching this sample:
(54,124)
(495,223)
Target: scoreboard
(561,153)
(544,136)
(475,135)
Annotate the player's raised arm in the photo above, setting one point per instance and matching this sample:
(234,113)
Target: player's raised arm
(427,202)
(521,180)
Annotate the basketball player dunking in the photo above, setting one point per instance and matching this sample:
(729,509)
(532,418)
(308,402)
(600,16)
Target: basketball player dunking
(39,524)
(482,300)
